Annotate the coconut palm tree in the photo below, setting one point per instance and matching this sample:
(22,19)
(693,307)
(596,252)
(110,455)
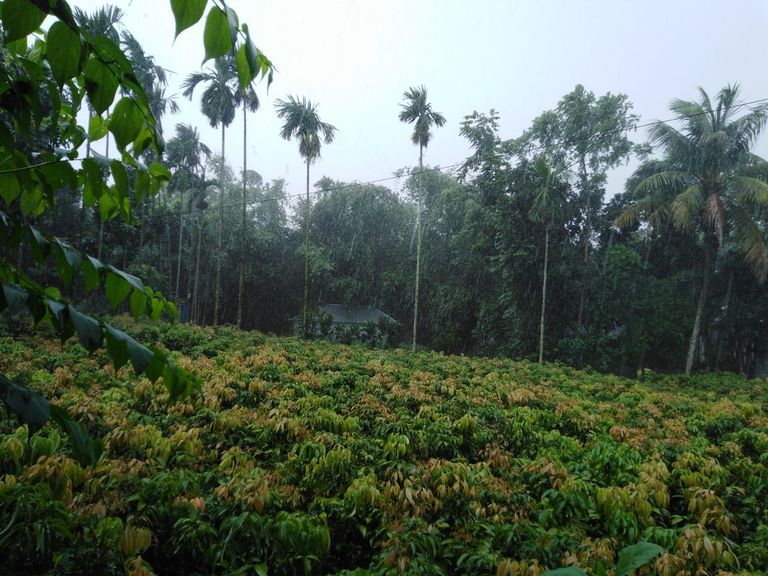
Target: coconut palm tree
(303,123)
(417,111)
(709,183)
(248,99)
(218,105)
(548,200)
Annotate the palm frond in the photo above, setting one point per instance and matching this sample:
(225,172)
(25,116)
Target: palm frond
(751,241)
(686,207)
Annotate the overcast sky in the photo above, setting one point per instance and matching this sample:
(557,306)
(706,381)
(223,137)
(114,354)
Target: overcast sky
(357,57)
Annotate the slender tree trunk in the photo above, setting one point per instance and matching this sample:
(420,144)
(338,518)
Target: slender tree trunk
(141,224)
(181,236)
(220,241)
(726,321)
(196,289)
(418,254)
(305,326)
(692,345)
(241,283)
(544,295)
(587,232)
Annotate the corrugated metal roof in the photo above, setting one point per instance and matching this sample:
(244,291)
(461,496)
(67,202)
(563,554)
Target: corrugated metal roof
(342,314)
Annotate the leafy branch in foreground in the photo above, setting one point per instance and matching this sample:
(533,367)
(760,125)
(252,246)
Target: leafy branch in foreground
(45,79)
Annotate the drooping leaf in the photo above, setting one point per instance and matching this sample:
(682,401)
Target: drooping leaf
(14,298)
(20,18)
(138,303)
(64,51)
(116,288)
(85,449)
(88,330)
(97,128)
(117,347)
(636,556)
(216,37)
(10,189)
(126,122)
(30,407)
(101,84)
(187,13)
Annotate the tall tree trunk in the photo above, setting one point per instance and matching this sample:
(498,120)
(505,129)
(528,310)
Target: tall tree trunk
(726,321)
(181,236)
(587,232)
(220,241)
(544,295)
(305,326)
(692,345)
(241,283)
(418,254)
(196,288)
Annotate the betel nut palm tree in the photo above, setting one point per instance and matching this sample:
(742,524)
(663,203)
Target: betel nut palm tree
(548,199)
(247,98)
(708,183)
(218,105)
(302,122)
(417,111)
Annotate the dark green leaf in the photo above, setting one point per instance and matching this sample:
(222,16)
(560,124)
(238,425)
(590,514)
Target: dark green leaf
(187,13)
(9,188)
(216,37)
(88,330)
(64,51)
(120,175)
(117,347)
(16,298)
(31,408)
(636,556)
(32,201)
(85,449)
(97,128)
(116,288)
(100,84)
(20,18)
(126,122)
(92,272)
(138,303)
(244,75)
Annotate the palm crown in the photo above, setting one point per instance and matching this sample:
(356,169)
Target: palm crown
(303,123)
(708,179)
(218,101)
(416,110)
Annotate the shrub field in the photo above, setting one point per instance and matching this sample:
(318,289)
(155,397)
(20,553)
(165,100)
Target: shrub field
(300,457)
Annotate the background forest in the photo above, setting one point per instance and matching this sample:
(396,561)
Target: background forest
(665,276)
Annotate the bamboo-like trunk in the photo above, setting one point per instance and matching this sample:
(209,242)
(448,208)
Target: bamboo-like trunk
(241,283)
(544,295)
(418,254)
(696,331)
(196,288)
(305,326)
(587,232)
(181,237)
(220,241)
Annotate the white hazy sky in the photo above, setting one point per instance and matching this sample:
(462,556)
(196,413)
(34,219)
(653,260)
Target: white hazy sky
(357,57)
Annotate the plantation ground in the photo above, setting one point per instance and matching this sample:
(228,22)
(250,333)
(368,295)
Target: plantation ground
(304,457)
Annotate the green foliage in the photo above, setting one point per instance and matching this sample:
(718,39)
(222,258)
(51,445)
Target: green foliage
(309,457)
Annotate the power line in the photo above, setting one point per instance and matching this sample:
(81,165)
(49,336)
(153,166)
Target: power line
(532,149)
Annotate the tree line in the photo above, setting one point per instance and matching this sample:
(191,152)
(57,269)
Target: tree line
(515,253)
